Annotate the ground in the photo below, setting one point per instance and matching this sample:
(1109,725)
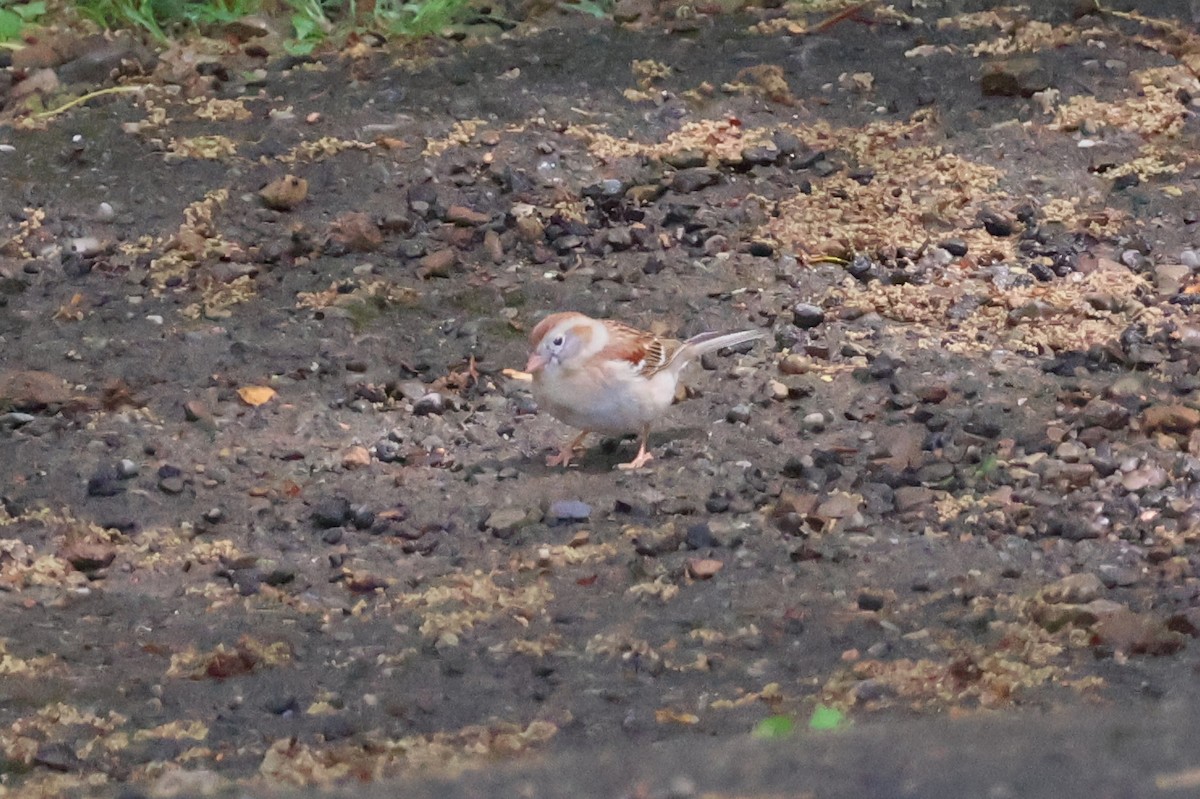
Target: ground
(275,504)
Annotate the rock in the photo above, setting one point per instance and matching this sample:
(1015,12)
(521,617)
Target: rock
(331,512)
(793,364)
(1014,77)
(1136,633)
(806,315)
(997,225)
(467,217)
(686,159)
(173,484)
(568,510)
(687,181)
(503,522)
(870,601)
(1170,278)
(956,247)
(913,498)
(1102,413)
(738,414)
(700,536)
(1149,476)
(1074,589)
(437,264)
(32,391)
(703,568)
(1170,419)
(285,193)
(353,232)
(356,457)
(432,404)
(105,482)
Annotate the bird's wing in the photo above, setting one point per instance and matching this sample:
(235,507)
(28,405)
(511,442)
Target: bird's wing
(646,353)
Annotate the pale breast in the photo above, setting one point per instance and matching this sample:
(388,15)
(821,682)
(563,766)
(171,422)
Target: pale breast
(609,400)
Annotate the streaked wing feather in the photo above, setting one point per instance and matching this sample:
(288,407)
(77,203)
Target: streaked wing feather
(647,353)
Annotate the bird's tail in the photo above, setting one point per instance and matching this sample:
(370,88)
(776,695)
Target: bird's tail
(705,343)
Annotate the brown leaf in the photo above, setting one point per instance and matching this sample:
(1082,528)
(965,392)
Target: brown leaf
(256,395)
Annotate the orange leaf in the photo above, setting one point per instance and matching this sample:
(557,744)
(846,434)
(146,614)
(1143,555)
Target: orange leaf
(256,395)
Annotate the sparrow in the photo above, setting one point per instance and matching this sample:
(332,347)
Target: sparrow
(603,376)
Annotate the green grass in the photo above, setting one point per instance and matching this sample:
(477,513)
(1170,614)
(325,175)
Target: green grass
(15,19)
(312,22)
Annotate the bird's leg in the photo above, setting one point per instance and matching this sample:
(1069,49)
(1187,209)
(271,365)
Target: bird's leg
(643,457)
(563,458)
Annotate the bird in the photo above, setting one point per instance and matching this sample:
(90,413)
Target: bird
(603,376)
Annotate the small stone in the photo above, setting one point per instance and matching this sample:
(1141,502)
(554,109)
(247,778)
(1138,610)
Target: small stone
(1074,589)
(503,522)
(213,515)
(568,510)
(778,391)
(700,536)
(331,512)
(997,225)
(738,414)
(870,601)
(806,315)
(197,411)
(127,469)
(913,498)
(437,264)
(432,404)
(1102,413)
(932,394)
(356,457)
(703,568)
(1146,477)
(362,517)
(793,364)
(956,247)
(1169,279)
(689,180)
(468,217)
(411,248)
(353,231)
(388,451)
(1170,419)
(171,485)
(285,193)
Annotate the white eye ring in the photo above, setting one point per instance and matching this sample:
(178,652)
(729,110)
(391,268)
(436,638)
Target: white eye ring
(558,341)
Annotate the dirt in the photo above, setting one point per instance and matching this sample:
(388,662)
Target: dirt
(275,504)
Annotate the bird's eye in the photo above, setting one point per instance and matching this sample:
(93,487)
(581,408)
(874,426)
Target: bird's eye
(558,341)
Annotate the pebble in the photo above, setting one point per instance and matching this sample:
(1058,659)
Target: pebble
(331,512)
(687,181)
(171,485)
(870,601)
(106,482)
(806,315)
(738,414)
(1102,413)
(956,247)
(15,419)
(700,536)
(503,522)
(814,421)
(432,404)
(568,510)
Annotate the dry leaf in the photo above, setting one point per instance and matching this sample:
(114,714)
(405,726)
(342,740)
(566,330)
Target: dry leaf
(256,395)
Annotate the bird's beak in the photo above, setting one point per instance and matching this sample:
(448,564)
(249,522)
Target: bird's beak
(536,363)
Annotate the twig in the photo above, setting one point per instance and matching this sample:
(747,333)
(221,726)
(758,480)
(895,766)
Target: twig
(84,98)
